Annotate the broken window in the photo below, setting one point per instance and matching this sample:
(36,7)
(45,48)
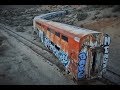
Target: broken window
(57,34)
(65,38)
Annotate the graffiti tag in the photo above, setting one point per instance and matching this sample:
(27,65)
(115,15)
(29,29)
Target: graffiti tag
(106,51)
(81,64)
(61,55)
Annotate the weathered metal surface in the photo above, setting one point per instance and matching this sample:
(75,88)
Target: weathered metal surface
(83,52)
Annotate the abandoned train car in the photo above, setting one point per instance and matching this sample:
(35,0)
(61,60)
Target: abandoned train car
(83,52)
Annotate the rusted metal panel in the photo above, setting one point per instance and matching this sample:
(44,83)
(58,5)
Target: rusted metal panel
(73,68)
(57,41)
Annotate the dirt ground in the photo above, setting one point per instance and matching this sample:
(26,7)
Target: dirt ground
(20,63)
(21,66)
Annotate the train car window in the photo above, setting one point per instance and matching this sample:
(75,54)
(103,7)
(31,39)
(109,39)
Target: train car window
(50,30)
(57,34)
(65,38)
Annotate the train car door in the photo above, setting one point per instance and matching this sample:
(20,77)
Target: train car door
(95,55)
(95,61)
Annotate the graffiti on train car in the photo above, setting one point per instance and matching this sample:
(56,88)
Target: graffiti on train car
(61,55)
(106,51)
(63,58)
(62,47)
(81,64)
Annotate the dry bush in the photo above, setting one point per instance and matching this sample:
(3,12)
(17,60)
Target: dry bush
(2,49)
(82,16)
(2,38)
(3,45)
(114,15)
(20,29)
(116,8)
(95,17)
(106,16)
(97,12)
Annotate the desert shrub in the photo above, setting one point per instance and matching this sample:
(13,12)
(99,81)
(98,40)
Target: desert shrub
(116,8)
(2,38)
(82,16)
(34,32)
(20,29)
(2,49)
(3,46)
(26,23)
(106,16)
(95,17)
(82,26)
(97,13)
(114,15)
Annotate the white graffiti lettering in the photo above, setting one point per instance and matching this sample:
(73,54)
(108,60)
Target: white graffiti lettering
(106,51)
(107,40)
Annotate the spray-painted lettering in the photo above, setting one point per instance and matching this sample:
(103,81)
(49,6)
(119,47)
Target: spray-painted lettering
(81,66)
(61,55)
(106,51)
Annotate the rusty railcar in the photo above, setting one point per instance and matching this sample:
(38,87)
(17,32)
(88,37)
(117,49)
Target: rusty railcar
(83,52)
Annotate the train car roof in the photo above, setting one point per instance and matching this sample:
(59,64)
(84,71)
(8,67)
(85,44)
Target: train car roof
(69,28)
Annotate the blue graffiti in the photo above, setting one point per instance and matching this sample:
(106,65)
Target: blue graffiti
(81,68)
(82,55)
(46,42)
(80,75)
(61,55)
(81,64)
(55,52)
